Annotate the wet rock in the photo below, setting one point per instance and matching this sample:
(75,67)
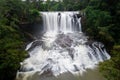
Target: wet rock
(76,68)
(71,52)
(26,69)
(35,44)
(47,73)
(79,15)
(64,41)
(59,14)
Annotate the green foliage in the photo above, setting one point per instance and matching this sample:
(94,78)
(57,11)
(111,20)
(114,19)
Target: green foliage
(110,69)
(66,5)
(17,12)
(98,25)
(33,15)
(102,23)
(97,18)
(11,52)
(13,13)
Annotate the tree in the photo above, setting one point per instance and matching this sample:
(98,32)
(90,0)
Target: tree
(102,23)
(12,13)
(110,69)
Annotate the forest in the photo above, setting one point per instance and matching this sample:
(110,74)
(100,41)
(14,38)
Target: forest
(101,23)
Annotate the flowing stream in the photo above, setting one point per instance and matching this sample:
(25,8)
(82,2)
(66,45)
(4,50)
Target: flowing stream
(63,50)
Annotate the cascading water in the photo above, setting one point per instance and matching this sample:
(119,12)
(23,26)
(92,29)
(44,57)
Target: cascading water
(55,22)
(63,48)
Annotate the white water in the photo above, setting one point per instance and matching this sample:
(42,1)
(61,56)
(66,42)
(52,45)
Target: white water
(55,22)
(63,48)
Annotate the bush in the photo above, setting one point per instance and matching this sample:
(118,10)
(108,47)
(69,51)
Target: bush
(11,52)
(111,68)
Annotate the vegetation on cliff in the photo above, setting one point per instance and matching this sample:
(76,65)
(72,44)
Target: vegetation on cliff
(12,14)
(102,24)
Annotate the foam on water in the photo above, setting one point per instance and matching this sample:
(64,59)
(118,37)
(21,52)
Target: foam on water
(63,48)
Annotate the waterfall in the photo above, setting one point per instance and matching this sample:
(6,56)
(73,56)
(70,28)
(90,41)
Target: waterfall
(66,22)
(63,47)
